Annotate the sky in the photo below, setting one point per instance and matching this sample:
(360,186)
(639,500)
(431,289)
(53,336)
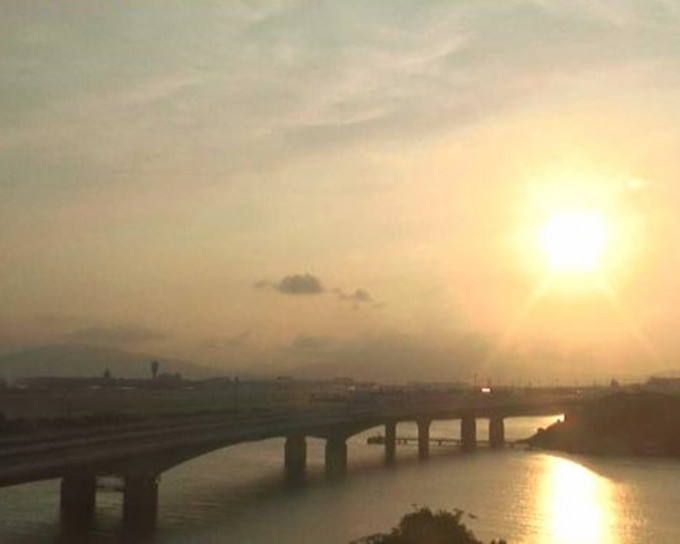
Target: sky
(342,185)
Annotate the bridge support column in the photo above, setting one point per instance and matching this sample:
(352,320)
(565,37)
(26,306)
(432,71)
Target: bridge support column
(295,455)
(390,442)
(496,432)
(468,432)
(140,502)
(77,501)
(336,456)
(424,438)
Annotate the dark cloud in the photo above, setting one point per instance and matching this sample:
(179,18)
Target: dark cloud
(300,284)
(123,335)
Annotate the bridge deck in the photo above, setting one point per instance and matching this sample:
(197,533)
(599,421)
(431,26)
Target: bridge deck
(159,446)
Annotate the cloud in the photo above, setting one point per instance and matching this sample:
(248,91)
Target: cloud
(307,343)
(389,357)
(456,357)
(300,284)
(308,284)
(230,342)
(122,335)
(357,298)
(359,295)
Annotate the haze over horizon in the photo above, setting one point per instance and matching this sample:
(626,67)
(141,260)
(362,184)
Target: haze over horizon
(298,182)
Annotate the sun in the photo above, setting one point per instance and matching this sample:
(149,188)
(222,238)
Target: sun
(574,240)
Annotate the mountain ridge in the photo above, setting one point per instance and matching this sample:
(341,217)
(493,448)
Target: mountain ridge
(85,360)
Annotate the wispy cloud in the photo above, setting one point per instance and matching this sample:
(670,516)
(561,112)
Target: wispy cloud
(365,73)
(237,340)
(359,295)
(358,298)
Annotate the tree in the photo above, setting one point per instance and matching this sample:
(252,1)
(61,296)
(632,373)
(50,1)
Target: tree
(154,369)
(426,527)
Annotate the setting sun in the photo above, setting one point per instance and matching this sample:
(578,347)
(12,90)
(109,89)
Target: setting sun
(574,240)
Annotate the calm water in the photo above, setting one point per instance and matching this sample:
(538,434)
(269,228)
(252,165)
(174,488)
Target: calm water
(239,495)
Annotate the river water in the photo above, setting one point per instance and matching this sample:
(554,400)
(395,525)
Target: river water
(239,495)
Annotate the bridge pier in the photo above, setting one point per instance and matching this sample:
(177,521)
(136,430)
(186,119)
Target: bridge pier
(468,432)
(295,455)
(496,432)
(77,501)
(140,502)
(424,438)
(336,455)
(390,442)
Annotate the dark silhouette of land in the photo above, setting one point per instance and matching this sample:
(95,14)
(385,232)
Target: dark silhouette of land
(630,423)
(83,360)
(424,526)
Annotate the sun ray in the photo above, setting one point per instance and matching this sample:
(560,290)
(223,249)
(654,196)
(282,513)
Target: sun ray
(521,315)
(634,329)
(581,243)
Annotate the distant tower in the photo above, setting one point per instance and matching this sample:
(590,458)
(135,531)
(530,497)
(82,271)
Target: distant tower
(154,369)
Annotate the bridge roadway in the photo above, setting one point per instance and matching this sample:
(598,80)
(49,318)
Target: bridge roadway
(140,452)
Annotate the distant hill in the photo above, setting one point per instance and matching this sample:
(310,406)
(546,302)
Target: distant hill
(82,360)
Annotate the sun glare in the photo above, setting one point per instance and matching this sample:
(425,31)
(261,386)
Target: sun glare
(574,240)
(580,506)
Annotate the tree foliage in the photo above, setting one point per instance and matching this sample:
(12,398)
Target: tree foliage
(423,526)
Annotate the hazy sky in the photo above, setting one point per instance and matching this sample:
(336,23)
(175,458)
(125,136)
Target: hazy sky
(341,181)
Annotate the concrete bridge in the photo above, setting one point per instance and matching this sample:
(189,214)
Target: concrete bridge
(139,453)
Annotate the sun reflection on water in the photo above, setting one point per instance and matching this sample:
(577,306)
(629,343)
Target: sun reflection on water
(579,504)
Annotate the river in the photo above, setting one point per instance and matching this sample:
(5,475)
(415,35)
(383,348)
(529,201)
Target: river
(239,495)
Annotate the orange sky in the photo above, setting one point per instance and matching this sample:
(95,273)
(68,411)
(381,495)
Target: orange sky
(338,183)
